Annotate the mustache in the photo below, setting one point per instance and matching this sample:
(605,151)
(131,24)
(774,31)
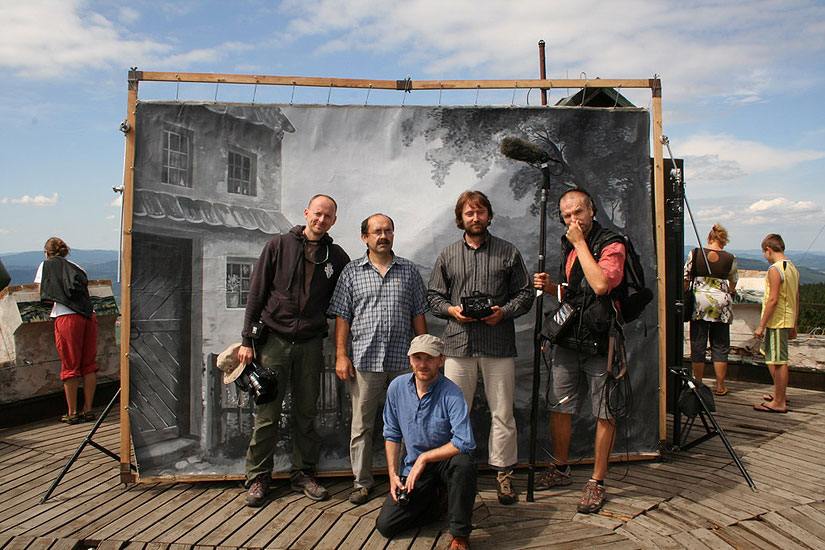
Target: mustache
(383,241)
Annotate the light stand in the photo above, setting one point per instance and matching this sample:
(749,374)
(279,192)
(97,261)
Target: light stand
(682,380)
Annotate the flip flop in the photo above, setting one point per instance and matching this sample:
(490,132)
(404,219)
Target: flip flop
(769,397)
(723,392)
(761,407)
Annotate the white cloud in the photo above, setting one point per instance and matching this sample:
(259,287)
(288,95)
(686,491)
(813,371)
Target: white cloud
(701,49)
(118,202)
(37,200)
(721,157)
(128,15)
(785,206)
(56,38)
(4,200)
(716,213)
(4,231)
(112,217)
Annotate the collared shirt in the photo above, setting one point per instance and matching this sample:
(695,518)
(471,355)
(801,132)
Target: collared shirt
(380,311)
(611,261)
(494,268)
(439,417)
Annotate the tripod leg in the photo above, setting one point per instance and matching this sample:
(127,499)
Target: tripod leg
(717,430)
(86,441)
(733,455)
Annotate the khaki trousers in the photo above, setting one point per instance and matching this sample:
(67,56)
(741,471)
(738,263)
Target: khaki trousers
(499,385)
(366,392)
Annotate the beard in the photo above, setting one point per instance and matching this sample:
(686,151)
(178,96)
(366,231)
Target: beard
(476,230)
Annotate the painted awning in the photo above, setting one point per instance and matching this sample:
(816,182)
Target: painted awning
(158,205)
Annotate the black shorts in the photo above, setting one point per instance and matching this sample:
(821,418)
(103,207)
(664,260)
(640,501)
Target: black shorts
(719,334)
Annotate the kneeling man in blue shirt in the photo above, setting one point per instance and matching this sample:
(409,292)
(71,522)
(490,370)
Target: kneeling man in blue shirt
(429,413)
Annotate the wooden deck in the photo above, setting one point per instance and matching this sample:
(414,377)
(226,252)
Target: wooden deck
(695,499)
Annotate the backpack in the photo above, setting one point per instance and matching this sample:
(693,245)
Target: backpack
(632,295)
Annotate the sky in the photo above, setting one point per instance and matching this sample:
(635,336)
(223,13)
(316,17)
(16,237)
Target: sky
(742,89)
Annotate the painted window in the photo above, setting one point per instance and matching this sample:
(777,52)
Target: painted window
(240,172)
(177,157)
(238,273)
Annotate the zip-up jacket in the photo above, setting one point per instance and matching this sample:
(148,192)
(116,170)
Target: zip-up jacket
(277,286)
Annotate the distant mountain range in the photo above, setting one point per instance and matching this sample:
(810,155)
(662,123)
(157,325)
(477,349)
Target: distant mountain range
(102,264)
(811,265)
(99,264)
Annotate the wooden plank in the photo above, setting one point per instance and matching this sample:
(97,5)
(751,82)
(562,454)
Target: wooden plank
(791,530)
(323,82)
(244,519)
(298,526)
(58,520)
(252,533)
(358,535)
(140,528)
(719,500)
(26,507)
(189,515)
(41,543)
(19,543)
(801,521)
(185,504)
(376,541)
(709,539)
(221,508)
(767,533)
(147,501)
(66,544)
(119,510)
(337,532)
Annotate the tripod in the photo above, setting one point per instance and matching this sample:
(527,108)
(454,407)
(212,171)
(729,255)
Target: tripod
(87,441)
(684,381)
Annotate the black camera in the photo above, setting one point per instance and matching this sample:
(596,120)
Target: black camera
(477,306)
(261,383)
(402,495)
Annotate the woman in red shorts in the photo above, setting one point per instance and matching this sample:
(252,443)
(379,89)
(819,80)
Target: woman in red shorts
(64,283)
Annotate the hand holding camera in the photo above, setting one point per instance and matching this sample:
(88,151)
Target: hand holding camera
(477,306)
(402,496)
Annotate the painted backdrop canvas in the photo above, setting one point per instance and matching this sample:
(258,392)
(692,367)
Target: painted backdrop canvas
(213,182)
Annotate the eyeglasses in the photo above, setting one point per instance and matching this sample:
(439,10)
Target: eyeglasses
(387,232)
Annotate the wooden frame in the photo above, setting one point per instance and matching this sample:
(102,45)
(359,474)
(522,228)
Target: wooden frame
(135,76)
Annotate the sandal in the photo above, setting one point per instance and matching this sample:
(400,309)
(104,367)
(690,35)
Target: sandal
(88,416)
(769,397)
(761,407)
(723,392)
(72,418)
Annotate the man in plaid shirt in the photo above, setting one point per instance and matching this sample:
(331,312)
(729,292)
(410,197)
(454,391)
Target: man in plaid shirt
(380,300)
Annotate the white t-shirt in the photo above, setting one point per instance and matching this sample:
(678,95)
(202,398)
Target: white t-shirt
(57,309)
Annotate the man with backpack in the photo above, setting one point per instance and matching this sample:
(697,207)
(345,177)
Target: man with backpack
(592,268)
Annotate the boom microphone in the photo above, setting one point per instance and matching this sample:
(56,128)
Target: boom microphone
(523,150)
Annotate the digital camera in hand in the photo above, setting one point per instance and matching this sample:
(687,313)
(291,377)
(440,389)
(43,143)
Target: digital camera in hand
(477,306)
(402,495)
(261,383)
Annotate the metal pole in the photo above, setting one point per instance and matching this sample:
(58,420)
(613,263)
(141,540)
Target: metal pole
(542,71)
(87,441)
(534,408)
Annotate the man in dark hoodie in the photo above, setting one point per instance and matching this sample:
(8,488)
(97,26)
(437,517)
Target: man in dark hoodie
(289,292)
